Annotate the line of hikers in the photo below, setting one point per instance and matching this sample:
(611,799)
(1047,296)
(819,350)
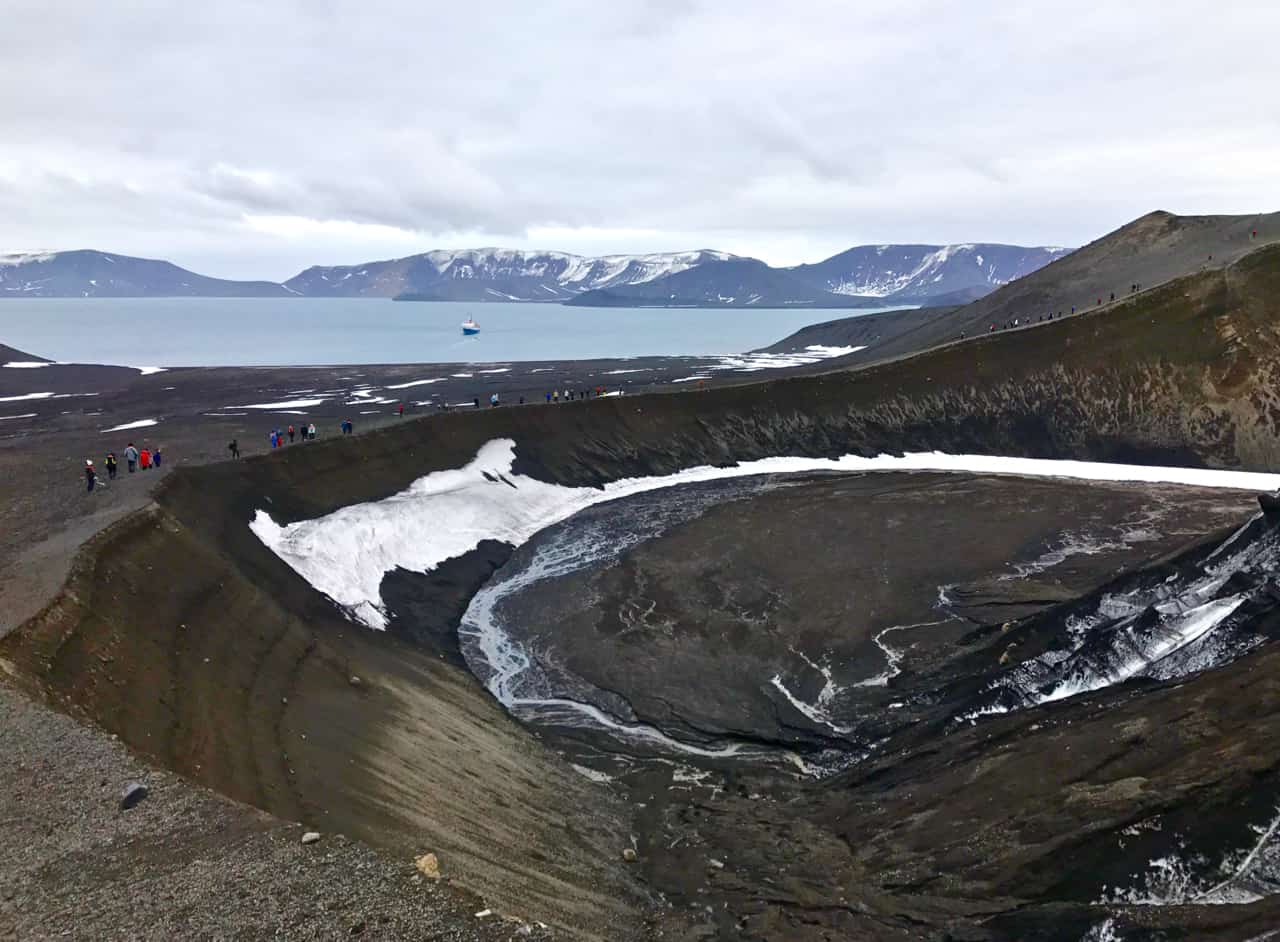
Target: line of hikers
(136,459)
(572,394)
(1043,318)
(276,436)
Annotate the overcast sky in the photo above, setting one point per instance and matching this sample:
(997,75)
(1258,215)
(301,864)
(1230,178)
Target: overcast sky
(251,138)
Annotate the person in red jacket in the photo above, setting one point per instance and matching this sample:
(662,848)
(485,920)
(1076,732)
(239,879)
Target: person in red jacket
(144,458)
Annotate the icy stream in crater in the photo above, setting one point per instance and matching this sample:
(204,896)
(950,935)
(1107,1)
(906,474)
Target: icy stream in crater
(1185,624)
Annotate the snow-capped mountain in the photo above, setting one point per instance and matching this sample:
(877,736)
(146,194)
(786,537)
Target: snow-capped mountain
(493,274)
(735,282)
(865,276)
(89,274)
(917,272)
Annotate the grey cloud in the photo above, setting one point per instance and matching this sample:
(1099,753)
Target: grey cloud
(809,124)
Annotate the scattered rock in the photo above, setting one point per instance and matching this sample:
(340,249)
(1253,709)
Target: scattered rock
(525,931)
(714,864)
(629,855)
(134,792)
(428,865)
(354,681)
(311,837)
(484,914)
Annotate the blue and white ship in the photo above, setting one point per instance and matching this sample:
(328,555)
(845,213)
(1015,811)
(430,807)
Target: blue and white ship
(469,327)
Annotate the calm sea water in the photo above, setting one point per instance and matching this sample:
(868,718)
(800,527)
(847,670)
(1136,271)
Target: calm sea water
(260,331)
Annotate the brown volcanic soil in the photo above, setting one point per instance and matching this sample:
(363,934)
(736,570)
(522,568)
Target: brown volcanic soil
(162,640)
(186,863)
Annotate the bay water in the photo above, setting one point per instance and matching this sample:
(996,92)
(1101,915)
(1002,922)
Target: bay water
(314,331)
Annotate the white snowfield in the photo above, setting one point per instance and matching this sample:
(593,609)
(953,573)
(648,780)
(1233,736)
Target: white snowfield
(26,258)
(416,382)
(287,404)
(141,423)
(445,514)
(751,362)
(36,364)
(39,395)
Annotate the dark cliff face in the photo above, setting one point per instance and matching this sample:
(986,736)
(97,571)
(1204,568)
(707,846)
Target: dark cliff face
(194,669)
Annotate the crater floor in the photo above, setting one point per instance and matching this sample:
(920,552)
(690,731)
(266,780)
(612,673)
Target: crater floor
(854,621)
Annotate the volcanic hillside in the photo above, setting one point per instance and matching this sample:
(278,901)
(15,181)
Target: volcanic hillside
(234,671)
(1147,252)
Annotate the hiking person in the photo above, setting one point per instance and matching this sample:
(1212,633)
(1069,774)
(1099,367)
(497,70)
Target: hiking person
(548,398)
(131,458)
(90,475)
(311,431)
(144,458)
(155,456)
(274,439)
(401,410)
(475,401)
(493,401)
(112,465)
(234,448)
(290,431)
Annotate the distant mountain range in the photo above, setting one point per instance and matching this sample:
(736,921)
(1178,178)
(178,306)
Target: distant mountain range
(866,276)
(89,274)
(493,275)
